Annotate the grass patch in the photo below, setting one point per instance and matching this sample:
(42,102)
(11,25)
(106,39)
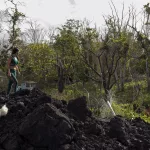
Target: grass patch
(126,103)
(126,110)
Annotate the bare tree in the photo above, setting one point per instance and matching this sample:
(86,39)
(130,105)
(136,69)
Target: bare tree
(107,58)
(15,17)
(35,33)
(142,36)
(117,26)
(51,33)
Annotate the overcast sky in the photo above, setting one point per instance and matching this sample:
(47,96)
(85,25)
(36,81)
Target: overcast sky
(55,12)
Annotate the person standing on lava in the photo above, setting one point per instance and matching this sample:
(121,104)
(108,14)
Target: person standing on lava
(12,70)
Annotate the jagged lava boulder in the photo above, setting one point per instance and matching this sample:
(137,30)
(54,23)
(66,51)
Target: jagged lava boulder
(46,126)
(36,121)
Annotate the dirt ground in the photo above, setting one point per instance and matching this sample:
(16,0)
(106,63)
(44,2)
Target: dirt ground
(35,121)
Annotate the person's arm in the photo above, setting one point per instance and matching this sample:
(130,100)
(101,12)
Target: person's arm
(8,65)
(18,69)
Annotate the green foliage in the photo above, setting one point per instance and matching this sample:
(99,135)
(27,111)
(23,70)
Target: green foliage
(147,8)
(131,104)
(69,92)
(126,110)
(139,66)
(67,47)
(89,39)
(39,61)
(130,93)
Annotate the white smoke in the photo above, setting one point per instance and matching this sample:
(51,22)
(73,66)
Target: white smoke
(3,111)
(72,2)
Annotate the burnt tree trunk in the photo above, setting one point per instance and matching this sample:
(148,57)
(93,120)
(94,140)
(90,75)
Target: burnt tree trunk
(117,80)
(60,77)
